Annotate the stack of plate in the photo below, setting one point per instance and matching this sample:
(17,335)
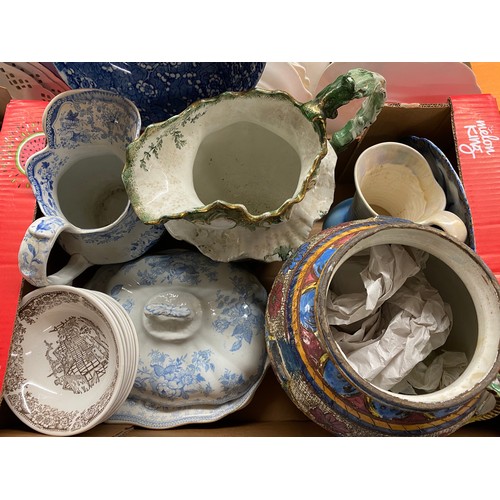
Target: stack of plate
(30,81)
(73,360)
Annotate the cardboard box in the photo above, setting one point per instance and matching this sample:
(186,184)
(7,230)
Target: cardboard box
(271,413)
(21,119)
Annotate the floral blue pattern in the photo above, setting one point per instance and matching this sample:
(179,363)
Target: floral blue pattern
(231,382)
(74,120)
(36,246)
(173,378)
(202,353)
(162,89)
(171,267)
(236,314)
(91,117)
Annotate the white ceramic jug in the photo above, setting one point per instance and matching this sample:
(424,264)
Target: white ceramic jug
(245,175)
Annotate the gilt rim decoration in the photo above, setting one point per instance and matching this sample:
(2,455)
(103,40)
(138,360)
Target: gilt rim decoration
(236,212)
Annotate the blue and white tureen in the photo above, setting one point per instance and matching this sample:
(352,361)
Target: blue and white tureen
(200,325)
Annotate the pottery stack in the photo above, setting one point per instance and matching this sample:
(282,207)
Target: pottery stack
(164,187)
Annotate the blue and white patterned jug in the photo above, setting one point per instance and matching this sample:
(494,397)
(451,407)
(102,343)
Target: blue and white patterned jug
(76,180)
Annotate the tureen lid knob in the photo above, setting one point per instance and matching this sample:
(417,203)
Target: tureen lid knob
(172,315)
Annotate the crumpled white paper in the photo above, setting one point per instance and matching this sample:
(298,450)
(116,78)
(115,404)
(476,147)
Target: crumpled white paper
(433,374)
(396,322)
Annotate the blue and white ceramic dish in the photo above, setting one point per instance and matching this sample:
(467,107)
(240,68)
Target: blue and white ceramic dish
(444,173)
(200,325)
(162,89)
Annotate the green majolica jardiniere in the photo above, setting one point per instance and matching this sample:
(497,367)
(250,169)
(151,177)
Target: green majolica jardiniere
(245,175)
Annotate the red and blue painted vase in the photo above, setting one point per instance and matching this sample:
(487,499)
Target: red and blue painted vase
(315,373)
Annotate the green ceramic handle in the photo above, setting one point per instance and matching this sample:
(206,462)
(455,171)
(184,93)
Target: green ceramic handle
(355,84)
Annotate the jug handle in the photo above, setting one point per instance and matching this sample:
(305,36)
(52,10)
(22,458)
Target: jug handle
(35,250)
(448,222)
(355,84)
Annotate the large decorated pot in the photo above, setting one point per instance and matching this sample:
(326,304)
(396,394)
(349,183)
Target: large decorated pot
(317,373)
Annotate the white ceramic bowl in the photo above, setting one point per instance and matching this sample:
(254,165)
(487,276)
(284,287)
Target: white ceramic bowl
(71,362)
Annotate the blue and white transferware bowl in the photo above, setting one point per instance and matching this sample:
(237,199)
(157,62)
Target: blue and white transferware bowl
(162,89)
(200,325)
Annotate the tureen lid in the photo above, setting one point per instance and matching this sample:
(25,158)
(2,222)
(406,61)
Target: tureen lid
(200,325)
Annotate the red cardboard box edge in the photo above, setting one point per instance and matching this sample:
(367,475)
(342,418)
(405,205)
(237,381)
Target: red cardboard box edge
(476,128)
(17,211)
